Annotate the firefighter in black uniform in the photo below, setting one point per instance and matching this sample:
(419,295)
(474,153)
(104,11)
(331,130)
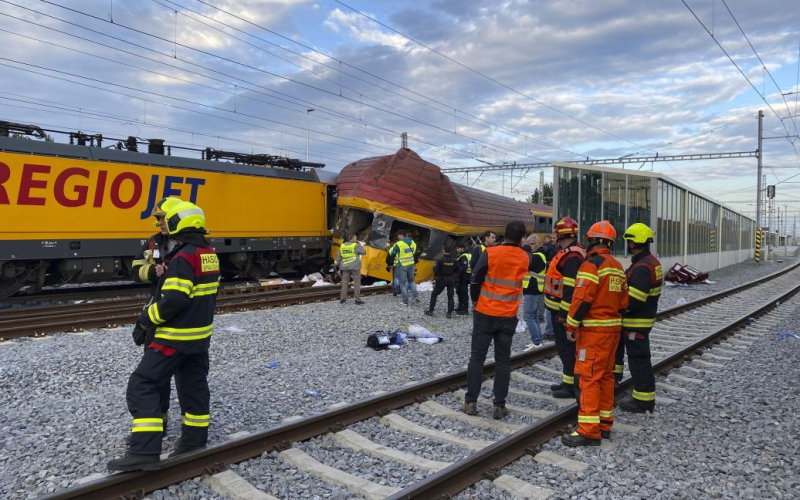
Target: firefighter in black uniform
(644,289)
(445,271)
(489,239)
(463,275)
(149,267)
(182,318)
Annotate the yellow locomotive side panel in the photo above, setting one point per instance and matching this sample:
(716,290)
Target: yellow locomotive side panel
(46,198)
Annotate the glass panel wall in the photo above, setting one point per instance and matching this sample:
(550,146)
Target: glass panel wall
(614,206)
(591,201)
(670,211)
(702,222)
(567,193)
(639,200)
(730,230)
(748,234)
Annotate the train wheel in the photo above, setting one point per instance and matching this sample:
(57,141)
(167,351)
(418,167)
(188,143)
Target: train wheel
(9,287)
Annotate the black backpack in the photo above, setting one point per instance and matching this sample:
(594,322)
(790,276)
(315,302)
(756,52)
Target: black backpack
(381,340)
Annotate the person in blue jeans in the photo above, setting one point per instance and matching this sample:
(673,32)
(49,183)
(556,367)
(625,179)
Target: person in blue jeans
(533,285)
(404,255)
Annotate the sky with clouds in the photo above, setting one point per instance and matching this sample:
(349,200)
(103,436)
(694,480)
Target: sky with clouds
(470,81)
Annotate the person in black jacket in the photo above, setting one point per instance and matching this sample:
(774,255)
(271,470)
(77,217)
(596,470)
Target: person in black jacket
(444,271)
(148,267)
(463,275)
(182,317)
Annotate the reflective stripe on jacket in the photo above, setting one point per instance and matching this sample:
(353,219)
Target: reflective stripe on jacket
(405,253)
(558,286)
(539,277)
(644,277)
(501,291)
(184,313)
(348,251)
(467,267)
(601,292)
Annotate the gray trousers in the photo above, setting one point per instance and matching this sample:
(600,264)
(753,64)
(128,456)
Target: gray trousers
(346,275)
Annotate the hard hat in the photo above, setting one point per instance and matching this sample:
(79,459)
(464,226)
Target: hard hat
(183,216)
(603,230)
(639,233)
(566,226)
(161,208)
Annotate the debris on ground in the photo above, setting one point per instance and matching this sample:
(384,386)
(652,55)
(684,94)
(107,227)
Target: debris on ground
(784,336)
(685,274)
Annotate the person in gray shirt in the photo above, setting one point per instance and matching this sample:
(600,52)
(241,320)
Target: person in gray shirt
(348,260)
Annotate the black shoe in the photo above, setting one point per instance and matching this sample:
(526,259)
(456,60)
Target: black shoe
(605,434)
(181,448)
(342,302)
(449,315)
(632,405)
(359,302)
(133,461)
(462,313)
(566,391)
(555,387)
(617,379)
(395,294)
(549,337)
(576,439)
(500,412)
(428,312)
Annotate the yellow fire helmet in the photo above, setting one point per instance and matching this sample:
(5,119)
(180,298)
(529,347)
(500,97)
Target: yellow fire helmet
(639,233)
(161,208)
(183,216)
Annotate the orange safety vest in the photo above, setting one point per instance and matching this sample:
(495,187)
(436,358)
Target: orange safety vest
(601,281)
(554,280)
(501,291)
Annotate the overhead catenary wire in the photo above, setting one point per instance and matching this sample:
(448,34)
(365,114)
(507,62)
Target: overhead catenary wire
(291,80)
(493,80)
(373,75)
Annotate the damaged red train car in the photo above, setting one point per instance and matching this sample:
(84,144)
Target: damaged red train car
(379,196)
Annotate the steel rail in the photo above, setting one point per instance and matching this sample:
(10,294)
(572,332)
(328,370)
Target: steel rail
(488,461)
(216,458)
(107,315)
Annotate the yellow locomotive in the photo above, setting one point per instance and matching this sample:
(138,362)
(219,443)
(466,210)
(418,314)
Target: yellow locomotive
(379,196)
(78,213)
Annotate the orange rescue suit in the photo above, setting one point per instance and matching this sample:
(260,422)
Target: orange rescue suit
(501,291)
(601,293)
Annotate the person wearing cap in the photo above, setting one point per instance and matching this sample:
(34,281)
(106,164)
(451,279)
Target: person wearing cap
(593,323)
(348,260)
(644,289)
(148,268)
(183,318)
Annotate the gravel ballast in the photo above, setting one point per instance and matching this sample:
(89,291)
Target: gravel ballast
(64,397)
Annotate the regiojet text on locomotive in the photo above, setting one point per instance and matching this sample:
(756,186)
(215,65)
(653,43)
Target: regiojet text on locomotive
(76,187)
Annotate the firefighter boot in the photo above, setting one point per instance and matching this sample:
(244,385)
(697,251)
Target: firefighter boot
(182,448)
(605,434)
(636,406)
(134,461)
(555,387)
(566,391)
(573,440)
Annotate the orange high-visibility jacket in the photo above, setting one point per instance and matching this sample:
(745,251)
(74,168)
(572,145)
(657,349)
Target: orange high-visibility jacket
(601,293)
(559,280)
(501,290)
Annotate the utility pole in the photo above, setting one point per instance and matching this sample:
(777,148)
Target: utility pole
(541,187)
(308,112)
(404,140)
(760,167)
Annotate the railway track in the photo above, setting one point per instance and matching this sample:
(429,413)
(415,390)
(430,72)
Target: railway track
(682,334)
(34,322)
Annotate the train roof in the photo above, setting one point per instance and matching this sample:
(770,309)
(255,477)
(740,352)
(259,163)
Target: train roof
(26,146)
(407,182)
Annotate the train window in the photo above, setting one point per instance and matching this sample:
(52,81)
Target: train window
(381,231)
(420,235)
(353,220)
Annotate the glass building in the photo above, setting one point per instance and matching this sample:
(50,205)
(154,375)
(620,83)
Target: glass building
(690,228)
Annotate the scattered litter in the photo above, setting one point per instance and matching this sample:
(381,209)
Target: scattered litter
(233,329)
(751,319)
(315,277)
(681,301)
(305,279)
(521,327)
(274,364)
(394,346)
(425,287)
(422,334)
(782,336)
(312,393)
(380,283)
(286,282)
(709,282)
(78,301)
(321,283)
